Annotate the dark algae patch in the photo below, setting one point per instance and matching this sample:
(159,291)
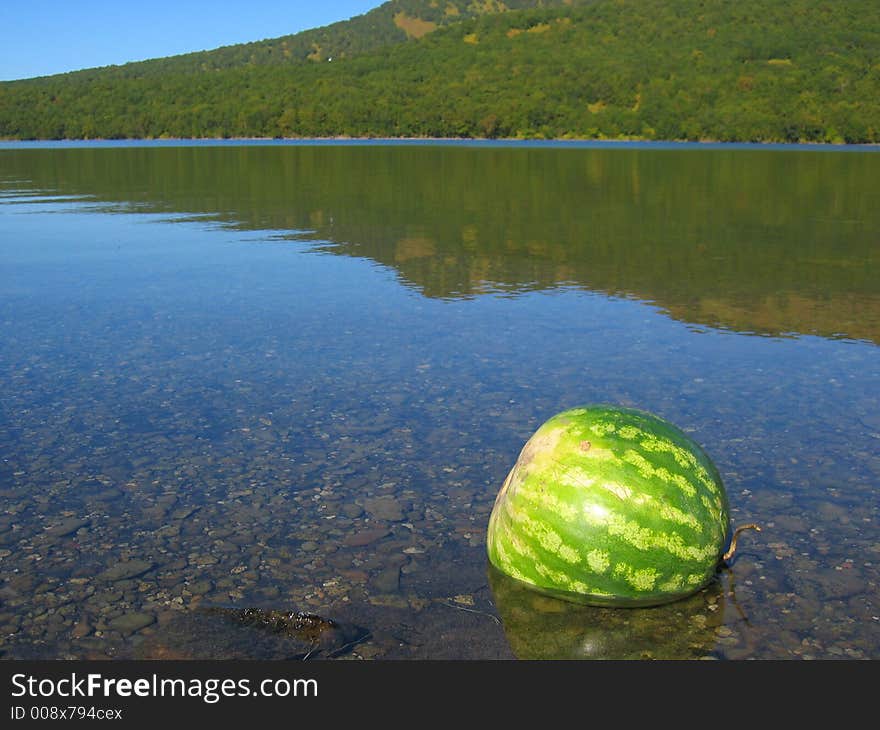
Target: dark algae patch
(217,632)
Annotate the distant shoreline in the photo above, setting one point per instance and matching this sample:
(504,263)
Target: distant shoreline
(9,143)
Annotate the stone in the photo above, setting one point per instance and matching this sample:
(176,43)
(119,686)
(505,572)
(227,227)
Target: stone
(68,526)
(199,588)
(366,537)
(182,513)
(82,628)
(128,623)
(386,581)
(125,570)
(384,508)
(837,584)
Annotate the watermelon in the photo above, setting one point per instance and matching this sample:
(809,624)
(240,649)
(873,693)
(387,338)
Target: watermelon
(610,506)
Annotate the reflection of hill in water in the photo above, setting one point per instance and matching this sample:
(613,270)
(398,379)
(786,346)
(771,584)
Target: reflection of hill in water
(752,240)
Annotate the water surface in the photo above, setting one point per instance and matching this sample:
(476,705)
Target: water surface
(294,377)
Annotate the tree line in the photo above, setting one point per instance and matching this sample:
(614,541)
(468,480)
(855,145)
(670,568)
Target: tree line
(754,70)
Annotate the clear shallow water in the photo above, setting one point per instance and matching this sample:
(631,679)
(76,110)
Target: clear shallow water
(294,377)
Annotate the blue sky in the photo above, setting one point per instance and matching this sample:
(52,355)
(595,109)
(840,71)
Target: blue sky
(41,37)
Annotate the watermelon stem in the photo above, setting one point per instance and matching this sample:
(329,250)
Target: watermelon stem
(732,549)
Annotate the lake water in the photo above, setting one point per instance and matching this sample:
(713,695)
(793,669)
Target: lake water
(293,378)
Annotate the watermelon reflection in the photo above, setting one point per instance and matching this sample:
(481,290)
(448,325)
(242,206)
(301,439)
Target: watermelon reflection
(540,627)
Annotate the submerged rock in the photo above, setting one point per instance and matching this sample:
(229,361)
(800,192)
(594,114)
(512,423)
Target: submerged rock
(387,580)
(384,508)
(68,526)
(129,623)
(366,537)
(125,570)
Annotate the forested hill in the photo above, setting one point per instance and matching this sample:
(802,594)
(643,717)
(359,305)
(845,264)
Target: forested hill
(392,22)
(751,70)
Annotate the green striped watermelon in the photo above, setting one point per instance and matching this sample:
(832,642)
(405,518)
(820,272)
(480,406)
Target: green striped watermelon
(610,506)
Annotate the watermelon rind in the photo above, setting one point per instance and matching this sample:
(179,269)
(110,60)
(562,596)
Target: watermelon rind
(610,506)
